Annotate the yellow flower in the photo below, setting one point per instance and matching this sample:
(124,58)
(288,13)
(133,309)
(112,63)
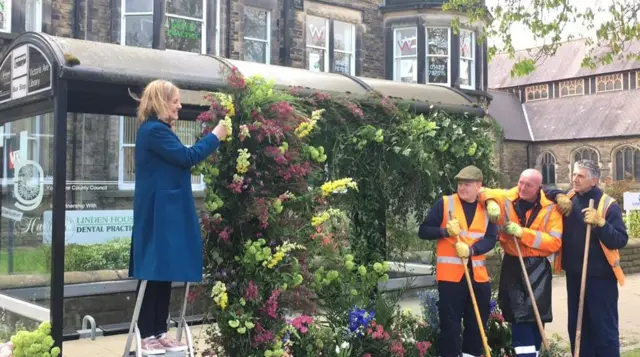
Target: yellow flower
(306,127)
(338,186)
(242,162)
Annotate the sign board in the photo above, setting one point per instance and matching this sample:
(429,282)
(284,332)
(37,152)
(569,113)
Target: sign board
(11,214)
(24,72)
(631,201)
(91,227)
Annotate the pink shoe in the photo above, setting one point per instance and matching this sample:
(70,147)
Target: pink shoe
(151,346)
(170,344)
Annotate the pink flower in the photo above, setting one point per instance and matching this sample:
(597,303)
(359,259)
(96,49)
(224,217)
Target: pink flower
(252,291)
(271,306)
(302,323)
(396,348)
(422,347)
(261,335)
(366,355)
(355,110)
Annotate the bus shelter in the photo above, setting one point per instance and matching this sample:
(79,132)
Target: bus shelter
(67,125)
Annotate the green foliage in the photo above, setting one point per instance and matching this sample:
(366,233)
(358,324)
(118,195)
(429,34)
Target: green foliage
(549,20)
(113,254)
(36,343)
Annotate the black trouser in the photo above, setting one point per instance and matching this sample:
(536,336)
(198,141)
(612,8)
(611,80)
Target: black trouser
(154,311)
(454,305)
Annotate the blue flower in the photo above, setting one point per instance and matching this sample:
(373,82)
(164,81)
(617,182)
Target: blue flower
(359,320)
(492,306)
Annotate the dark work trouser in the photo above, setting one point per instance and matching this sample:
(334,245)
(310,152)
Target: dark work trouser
(526,339)
(600,335)
(154,311)
(454,305)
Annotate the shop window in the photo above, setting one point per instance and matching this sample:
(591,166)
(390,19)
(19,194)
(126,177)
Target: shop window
(537,92)
(467,59)
(572,87)
(438,63)
(319,45)
(28,139)
(405,55)
(257,35)
(548,168)
(627,163)
(609,83)
(137,23)
(185,26)
(186,131)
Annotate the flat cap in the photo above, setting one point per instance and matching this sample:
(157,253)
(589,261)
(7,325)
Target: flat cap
(469,173)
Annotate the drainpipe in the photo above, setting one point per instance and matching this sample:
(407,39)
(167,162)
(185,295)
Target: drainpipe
(227,50)
(285,54)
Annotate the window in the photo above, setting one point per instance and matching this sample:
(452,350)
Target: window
(609,83)
(186,131)
(257,35)
(137,23)
(537,92)
(35,134)
(585,153)
(572,87)
(627,163)
(319,46)
(33,15)
(5,15)
(185,26)
(467,59)
(437,51)
(344,48)
(405,55)
(548,168)
(637,80)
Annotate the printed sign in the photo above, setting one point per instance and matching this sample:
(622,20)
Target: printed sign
(11,214)
(631,201)
(91,227)
(25,71)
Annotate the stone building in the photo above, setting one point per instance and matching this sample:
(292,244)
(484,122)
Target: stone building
(563,112)
(402,40)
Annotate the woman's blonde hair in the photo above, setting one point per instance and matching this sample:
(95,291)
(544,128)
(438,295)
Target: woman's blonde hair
(155,99)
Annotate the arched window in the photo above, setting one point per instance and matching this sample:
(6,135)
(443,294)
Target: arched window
(548,168)
(627,163)
(584,153)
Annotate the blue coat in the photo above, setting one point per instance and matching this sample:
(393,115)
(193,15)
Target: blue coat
(166,243)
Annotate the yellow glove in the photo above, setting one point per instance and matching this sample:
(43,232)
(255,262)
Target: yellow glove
(462,250)
(591,216)
(453,227)
(493,210)
(514,229)
(564,204)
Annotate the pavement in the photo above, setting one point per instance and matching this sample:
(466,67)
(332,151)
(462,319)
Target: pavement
(629,315)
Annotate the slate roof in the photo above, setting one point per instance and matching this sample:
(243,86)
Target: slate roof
(507,110)
(565,64)
(587,116)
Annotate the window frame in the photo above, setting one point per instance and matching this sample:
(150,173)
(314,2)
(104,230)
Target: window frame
(427,55)
(8,20)
(471,59)
(37,134)
(613,77)
(38,16)
(543,165)
(327,62)
(268,34)
(123,20)
(203,30)
(352,61)
(567,84)
(533,88)
(397,58)
(635,149)
(130,186)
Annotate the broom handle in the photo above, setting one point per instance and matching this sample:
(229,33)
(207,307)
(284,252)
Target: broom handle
(583,287)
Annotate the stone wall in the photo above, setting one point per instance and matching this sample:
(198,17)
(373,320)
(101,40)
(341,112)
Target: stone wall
(512,160)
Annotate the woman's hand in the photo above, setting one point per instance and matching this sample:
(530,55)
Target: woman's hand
(220,131)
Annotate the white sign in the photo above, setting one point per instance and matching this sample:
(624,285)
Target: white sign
(24,71)
(11,214)
(631,201)
(91,227)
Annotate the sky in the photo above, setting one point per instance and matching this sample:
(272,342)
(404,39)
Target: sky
(526,40)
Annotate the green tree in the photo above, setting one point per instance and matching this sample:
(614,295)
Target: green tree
(548,19)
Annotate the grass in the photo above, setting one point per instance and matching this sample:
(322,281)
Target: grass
(634,353)
(26,260)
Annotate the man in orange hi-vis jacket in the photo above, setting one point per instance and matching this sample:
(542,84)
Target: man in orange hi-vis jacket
(600,332)
(461,215)
(524,212)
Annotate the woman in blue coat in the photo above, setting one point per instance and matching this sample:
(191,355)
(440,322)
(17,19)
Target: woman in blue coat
(166,242)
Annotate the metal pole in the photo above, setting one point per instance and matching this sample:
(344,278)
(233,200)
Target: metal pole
(58,214)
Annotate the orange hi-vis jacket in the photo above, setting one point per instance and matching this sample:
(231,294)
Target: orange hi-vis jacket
(612,255)
(450,267)
(543,237)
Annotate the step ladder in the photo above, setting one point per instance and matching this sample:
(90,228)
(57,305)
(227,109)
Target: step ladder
(182,324)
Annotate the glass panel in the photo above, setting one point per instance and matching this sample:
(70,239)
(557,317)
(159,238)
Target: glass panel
(33,16)
(5,15)
(188,8)
(342,62)
(183,35)
(438,70)
(406,42)
(317,31)
(25,255)
(255,51)
(636,165)
(438,41)
(619,166)
(139,6)
(466,44)
(315,59)
(255,23)
(139,30)
(628,163)
(407,70)
(465,72)
(343,36)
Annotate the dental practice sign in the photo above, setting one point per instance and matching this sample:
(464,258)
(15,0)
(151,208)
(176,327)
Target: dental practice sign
(631,203)
(26,71)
